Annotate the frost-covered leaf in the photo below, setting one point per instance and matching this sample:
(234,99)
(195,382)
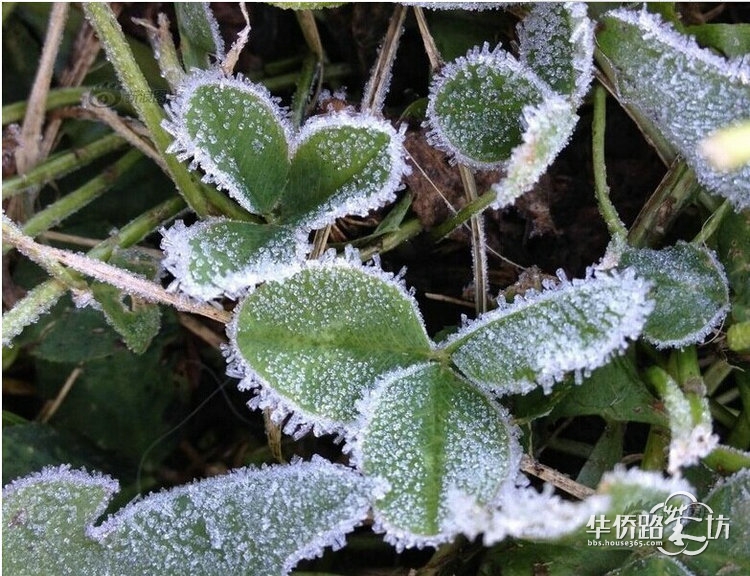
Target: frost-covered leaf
(200,39)
(216,257)
(236,133)
(316,342)
(548,127)
(688,92)
(731,499)
(614,392)
(689,290)
(342,164)
(690,422)
(253,522)
(577,326)
(556,40)
(429,433)
(135,320)
(476,106)
(653,565)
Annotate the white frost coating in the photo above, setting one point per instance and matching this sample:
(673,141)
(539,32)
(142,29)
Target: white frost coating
(278,259)
(689,92)
(549,127)
(621,477)
(215,32)
(478,6)
(351,199)
(550,346)
(301,421)
(523,513)
(690,440)
(465,458)
(496,59)
(184,146)
(545,22)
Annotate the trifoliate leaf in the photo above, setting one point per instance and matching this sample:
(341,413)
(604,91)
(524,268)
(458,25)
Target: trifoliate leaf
(216,257)
(316,342)
(200,38)
(556,40)
(429,433)
(728,552)
(577,326)
(476,106)
(236,133)
(689,289)
(251,522)
(342,164)
(686,91)
(549,127)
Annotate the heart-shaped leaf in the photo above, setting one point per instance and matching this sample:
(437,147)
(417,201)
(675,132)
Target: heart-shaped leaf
(236,133)
(556,40)
(476,106)
(577,326)
(217,257)
(690,292)
(343,164)
(316,342)
(429,433)
(253,522)
(704,91)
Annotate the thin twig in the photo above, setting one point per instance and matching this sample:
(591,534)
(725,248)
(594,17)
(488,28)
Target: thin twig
(380,77)
(230,61)
(50,408)
(430,48)
(125,281)
(203,332)
(557,479)
(478,251)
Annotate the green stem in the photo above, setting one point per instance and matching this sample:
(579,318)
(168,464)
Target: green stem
(40,299)
(305,84)
(56,98)
(726,460)
(677,188)
(62,164)
(463,215)
(608,211)
(69,204)
(739,437)
(715,375)
(390,241)
(712,224)
(108,30)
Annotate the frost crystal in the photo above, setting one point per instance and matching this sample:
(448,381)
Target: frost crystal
(548,130)
(577,327)
(351,323)
(687,91)
(557,42)
(222,257)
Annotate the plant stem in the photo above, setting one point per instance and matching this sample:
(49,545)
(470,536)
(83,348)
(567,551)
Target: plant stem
(122,279)
(459,218)
(712,223)
(655,452)
(608,211)
(62,164)
(478,246)
(311,70)
(41,298)
(71,203)
(388,242)
(676,189)
(739,437)
(380,77)
(142,98)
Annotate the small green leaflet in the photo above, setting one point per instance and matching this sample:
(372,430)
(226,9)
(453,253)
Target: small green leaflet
(316,342)
(689,289)
(429,433)
(686,91)
(337,164)
(577,326)
(248,522)
(200,38)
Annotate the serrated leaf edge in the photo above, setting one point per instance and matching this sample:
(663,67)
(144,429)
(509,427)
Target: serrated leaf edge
(641,306)
(300,421)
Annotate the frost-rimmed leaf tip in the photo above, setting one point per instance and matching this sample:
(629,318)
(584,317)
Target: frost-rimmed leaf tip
(218,257)
(574,327)
(475,106)
(688,92)
(426,432)
(236,132)
(351,323)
